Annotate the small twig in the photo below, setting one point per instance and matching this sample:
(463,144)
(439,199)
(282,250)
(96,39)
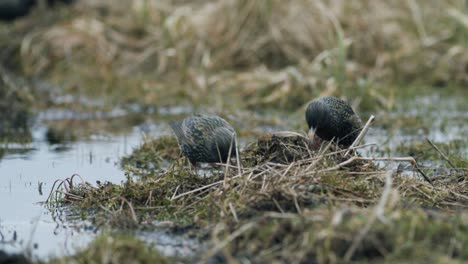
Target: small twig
(286,171)
(233,211)
(423,193)
(202,188)
(441,153)
(296,204)
(281,215)
(361,134)
(175,192)
(239,168)
(459,195)
(322,155)
(55,190)
(227,162)
(319,157)
(352,159)
(150,197)
(278,205)
(134,217)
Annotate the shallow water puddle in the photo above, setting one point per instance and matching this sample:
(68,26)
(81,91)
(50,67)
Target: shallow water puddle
(440,119)
(27,224)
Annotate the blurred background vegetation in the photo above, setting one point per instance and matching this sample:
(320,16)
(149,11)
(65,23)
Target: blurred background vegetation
(243,54)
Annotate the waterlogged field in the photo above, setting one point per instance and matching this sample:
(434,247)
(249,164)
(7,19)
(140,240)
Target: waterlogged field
(90,170)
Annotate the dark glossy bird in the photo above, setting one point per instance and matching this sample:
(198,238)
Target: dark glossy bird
(205,138)
(331,118)
(11,9)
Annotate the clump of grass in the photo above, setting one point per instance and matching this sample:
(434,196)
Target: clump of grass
(268,202)
(281,148)
(312,179)
(114,249)
(344,234)
(152,155)
(154,192)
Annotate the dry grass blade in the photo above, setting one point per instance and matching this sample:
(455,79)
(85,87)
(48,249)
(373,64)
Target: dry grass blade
(130,206)
(361,135)
(352,159)
(67,184)
(211,185)
(441,153)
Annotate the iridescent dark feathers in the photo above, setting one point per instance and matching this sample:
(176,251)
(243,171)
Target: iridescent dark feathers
(204,138)
(333,119)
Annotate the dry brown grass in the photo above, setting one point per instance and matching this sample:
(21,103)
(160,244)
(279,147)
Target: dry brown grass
(261,52)
(339,207)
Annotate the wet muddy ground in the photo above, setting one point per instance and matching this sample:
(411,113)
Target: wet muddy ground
(29,171)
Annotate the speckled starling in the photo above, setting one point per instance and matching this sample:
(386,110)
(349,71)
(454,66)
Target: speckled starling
(333,119)
(204,138)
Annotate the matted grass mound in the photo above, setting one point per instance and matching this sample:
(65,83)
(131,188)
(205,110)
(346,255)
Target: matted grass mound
(311,205)
(343,235)
(151,156)
(278,148)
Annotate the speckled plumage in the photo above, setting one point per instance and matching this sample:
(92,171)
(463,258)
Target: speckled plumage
(204,138)
(333,118)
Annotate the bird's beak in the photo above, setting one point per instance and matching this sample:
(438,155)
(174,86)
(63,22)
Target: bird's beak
(316,141)
(311,133)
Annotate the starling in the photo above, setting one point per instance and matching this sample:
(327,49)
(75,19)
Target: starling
(12,9)
(333,119)
(204,138)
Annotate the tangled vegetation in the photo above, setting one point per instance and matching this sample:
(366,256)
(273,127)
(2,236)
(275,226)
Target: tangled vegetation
(319,206)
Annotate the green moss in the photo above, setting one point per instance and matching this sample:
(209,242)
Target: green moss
(153,192)
(148,158)
(294,204)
